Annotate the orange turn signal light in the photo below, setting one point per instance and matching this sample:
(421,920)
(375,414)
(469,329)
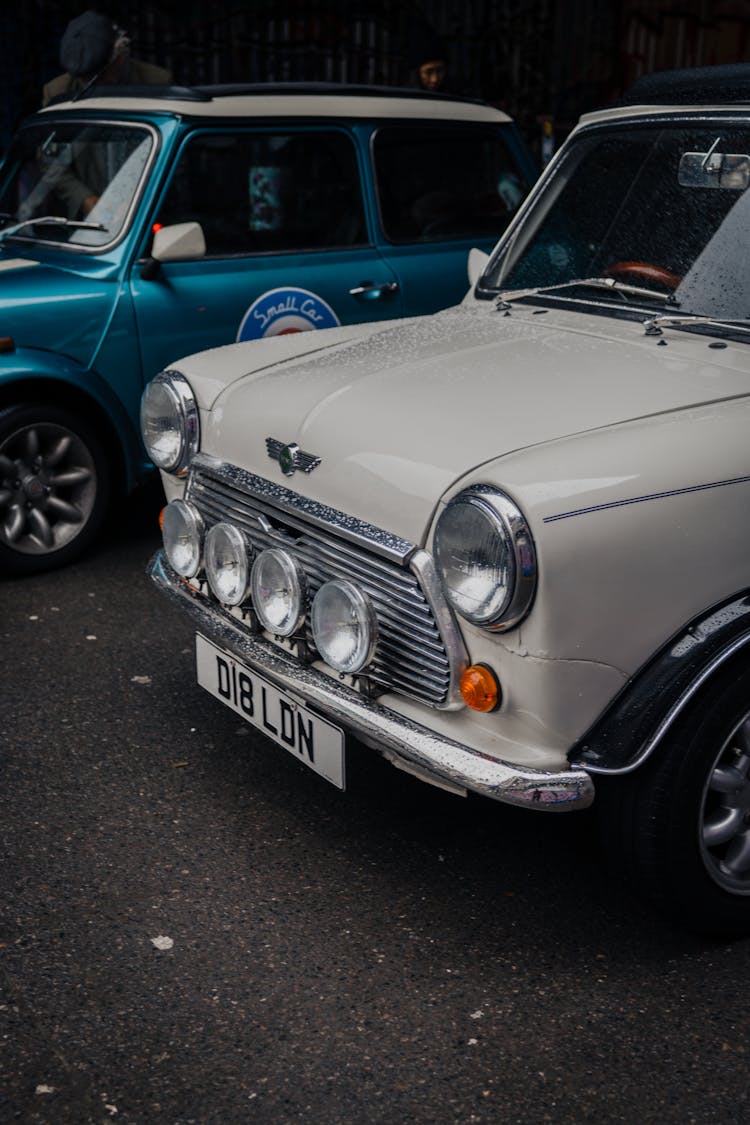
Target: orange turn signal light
(161,518)
(480,689)
(7,344)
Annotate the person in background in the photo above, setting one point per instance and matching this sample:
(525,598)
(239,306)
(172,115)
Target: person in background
(93,48)
(426,59)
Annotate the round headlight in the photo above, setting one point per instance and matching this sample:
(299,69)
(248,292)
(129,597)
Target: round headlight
(278,584)
(169,421)
(226,562)
(485,556)
(344,626)
(182,533)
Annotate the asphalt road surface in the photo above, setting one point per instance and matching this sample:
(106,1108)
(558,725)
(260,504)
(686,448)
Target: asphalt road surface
(389,954)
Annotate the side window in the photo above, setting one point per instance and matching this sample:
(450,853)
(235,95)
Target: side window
(269,192)
(446,182)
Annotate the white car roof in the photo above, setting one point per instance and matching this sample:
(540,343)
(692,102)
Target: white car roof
(617,113)
(316,101)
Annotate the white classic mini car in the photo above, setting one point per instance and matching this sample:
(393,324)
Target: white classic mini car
(508,545)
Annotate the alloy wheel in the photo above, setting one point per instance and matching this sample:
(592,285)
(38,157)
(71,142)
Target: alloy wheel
(48,486)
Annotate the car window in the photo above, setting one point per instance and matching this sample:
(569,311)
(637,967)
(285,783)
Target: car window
(268,192)
(438,183)
(79,171)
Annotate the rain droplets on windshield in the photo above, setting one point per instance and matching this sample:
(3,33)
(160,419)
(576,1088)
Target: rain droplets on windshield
(660,206)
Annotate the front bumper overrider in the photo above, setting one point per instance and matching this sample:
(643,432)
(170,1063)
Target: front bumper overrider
(414,747)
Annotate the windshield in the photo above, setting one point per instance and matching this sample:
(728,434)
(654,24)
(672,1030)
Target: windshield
(77,171)
(662,208)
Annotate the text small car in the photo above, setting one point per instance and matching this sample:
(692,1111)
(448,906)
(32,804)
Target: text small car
(508,545)
(137,222)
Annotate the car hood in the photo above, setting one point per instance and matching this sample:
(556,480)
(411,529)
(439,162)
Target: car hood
(400,412)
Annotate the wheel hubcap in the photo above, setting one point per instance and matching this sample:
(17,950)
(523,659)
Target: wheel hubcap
(725,818)
(47,488)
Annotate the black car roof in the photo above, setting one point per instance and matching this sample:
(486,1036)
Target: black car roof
(694,86)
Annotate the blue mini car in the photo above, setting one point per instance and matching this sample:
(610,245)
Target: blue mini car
(141,224)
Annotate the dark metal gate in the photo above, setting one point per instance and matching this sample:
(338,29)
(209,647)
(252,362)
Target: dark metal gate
(535,58)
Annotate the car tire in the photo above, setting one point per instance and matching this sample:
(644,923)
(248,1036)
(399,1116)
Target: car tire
(679,826)
(54,487)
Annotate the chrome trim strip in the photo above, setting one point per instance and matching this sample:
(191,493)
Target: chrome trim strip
(414,746)
(667,495)
(348,527)
(423,565)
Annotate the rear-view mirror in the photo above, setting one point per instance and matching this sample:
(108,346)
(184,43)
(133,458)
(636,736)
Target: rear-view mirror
(712,169)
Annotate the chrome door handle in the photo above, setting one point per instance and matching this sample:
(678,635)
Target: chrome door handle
(373,290)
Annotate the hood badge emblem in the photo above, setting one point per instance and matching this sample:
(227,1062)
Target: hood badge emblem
(290,457)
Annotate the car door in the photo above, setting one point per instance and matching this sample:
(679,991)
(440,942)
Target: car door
(443,188)
(287,243)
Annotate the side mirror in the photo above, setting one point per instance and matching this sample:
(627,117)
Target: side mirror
(475,265)
(179,242)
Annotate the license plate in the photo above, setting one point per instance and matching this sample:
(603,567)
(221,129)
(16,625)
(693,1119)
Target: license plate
(311,739)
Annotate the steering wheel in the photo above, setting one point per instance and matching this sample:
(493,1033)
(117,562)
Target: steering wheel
(644,271)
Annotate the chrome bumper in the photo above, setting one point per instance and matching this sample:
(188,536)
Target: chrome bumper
(413,747)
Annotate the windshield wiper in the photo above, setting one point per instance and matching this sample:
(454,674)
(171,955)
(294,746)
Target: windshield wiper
(49,221)
(609,283)
(653,326)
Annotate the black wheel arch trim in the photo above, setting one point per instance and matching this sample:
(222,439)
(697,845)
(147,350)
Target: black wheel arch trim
(634,724)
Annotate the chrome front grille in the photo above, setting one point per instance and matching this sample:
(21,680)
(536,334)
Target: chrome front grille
(411,655)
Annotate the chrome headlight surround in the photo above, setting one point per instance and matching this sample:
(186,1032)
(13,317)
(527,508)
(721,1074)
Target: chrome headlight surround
(226,560)
(486,559)
(279,591)
(170,423)
(341,612)
(182,534)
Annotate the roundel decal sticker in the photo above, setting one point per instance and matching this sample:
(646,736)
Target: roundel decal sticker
(280,311)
